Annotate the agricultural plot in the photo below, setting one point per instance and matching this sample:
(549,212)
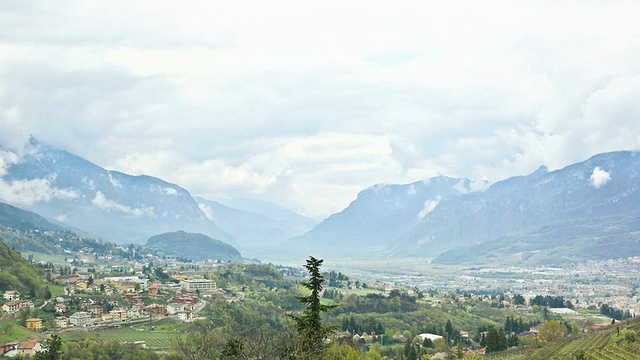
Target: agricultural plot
(600,345)
(154,340)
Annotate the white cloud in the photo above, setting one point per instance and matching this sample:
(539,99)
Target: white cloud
(306,105)
(599,177)
(429,205)
(101,201)
(28,192)
(207,211)
(114,182)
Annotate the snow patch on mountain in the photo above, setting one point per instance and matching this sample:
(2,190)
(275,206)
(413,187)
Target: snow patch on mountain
(157,189)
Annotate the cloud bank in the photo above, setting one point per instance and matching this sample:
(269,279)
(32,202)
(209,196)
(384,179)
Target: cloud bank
(307,103)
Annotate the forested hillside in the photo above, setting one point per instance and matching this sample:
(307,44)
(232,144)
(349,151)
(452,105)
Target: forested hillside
(17,273)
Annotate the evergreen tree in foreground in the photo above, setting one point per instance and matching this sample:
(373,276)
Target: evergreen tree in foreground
(311,332)
(53,349)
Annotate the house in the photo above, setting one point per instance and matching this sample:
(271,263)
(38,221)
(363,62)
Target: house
(9,349)
(61,308)
(153,289)
(185,315)
(79,319)
(61,322)
(11,295)
(81,286)
(13,307)
(156,309)
(174,308)
(71,279)
(34,324)
(95,310)
(117,314)
(134,312)
(29,348)
(63,299)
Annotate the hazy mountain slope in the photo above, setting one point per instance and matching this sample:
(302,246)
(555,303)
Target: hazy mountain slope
(298,224)
(378,216)
(18,219)
(27,231)
(193,246)
(110,205)
(576,207)
(251,228)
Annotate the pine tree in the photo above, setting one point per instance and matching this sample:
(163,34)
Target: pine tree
(53,349)
(449,328)
(311,332)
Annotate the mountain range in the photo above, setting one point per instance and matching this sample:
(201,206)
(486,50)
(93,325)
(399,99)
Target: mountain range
(583,211)
(378,217)
(113,206)
(586,210)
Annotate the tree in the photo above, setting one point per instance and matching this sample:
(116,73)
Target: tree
(374,352)
(496,340)
(449,328)
(413,355)
(311,332)
(552,330)
(574,328)
(52,349)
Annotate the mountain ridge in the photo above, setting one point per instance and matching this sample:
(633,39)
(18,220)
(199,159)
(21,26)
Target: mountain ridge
(110,205)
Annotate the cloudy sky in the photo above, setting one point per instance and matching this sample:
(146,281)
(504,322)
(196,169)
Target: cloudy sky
(307,103)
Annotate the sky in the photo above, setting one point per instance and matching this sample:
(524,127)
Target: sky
(307,103)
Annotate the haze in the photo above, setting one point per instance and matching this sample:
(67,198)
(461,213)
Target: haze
(307,103)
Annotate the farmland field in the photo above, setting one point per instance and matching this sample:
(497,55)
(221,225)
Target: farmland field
(155,340)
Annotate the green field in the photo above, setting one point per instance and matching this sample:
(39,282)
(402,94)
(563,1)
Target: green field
(56,289)
(155,340)
(10,331)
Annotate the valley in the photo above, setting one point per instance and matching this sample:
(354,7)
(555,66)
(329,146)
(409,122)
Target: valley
(111,262)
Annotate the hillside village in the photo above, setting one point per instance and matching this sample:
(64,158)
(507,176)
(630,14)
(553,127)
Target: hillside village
(91,292)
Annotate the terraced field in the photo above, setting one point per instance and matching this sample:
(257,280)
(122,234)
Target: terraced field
(602,345)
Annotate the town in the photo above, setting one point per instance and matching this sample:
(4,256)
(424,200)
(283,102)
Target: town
(92,292)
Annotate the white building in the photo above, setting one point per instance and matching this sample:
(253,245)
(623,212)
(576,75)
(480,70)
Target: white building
(61,322)
(200,285)
(79,319)
(11,295)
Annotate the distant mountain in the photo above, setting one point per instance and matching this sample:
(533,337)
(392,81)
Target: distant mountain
(292,220)
(110,205)
(585,210)
(375,219)
(18,219)
(27,231)
(193,246)
(251,228)
(588,210)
